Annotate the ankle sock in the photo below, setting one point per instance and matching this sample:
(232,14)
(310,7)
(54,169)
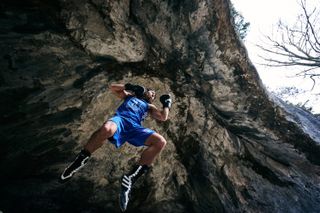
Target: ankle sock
(137,171)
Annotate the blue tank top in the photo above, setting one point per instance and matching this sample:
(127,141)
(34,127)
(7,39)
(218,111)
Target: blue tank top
(133,109)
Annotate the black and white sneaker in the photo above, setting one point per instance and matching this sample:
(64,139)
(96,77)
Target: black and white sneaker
(127,182)
(81,159)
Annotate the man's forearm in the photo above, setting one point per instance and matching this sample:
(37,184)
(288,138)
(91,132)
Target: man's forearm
(117,87)
(160,115)
(165,113)
(118,90)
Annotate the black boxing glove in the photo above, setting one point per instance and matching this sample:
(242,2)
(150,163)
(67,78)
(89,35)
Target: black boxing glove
(137,89)
(166,101)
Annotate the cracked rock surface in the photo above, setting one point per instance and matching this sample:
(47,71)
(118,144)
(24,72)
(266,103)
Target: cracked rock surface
(231,146)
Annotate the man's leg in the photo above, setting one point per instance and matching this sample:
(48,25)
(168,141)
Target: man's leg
(96,140)
(99,137)
(155,143)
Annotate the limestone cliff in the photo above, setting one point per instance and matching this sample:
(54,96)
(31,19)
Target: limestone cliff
(231,146)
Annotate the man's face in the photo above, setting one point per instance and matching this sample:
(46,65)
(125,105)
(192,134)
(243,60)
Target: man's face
(150,95)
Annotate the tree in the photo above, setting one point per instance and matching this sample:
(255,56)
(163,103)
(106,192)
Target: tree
(241,25)
(298,44)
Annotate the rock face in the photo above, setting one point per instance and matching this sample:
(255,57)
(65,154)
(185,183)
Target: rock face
(231,147)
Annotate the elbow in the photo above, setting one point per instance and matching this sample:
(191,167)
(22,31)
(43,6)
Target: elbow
(164,118)
(112,88)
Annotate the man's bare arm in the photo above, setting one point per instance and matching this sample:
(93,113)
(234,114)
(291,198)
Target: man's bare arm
(119,90)
(160,115)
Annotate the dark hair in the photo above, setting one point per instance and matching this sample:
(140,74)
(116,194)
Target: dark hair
(147,90)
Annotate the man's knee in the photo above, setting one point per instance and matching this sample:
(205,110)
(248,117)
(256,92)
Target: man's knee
(107,130)
(160,143)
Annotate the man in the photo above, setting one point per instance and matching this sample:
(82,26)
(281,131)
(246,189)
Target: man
(125,126)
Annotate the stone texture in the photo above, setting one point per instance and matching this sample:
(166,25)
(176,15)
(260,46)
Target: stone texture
(231,146)
(104,28)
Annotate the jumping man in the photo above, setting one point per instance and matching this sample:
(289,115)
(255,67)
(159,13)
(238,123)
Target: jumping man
(125,126)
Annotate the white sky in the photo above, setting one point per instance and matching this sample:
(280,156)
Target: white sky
(263,16)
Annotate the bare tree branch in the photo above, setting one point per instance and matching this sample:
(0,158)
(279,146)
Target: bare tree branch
(298,45)
(310,26)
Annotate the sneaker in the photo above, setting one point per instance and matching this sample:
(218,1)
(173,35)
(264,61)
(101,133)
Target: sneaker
(126,184)
(77,164)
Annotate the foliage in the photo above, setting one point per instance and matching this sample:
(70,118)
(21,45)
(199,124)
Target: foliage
(241,25)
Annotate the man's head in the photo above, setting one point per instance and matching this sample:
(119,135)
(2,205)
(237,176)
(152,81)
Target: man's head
(150,95)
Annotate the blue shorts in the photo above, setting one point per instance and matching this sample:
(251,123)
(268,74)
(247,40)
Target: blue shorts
(130,132)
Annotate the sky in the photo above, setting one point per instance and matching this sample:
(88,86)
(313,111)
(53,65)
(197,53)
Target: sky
(263,16)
